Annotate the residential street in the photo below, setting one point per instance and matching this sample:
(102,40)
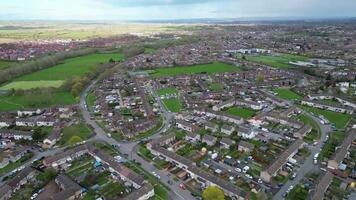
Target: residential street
(130,148)
(308,165)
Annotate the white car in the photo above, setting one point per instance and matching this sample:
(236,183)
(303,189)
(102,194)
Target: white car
(238,170)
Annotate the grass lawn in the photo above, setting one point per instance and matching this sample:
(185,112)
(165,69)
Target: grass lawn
(173,104)
(217,87)
(339,119)
(195,69)
(167,91)
(75,133)
(335,139)
(4,64)
(15,102)
(277,61)
(315,133)
(150,50)
(287,94)
(241,112)
(297,193)
(25,85)
(78,66)
(113,190)
(91,100)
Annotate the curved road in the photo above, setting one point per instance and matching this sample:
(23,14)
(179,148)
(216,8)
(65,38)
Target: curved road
(308,165)
(130,148)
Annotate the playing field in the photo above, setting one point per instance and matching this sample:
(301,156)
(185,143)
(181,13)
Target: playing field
(241,112)
(277,61)
(195,69)
(15,102)
(173,104)
(287,94)
(339,119)
(25,85)
(167,91)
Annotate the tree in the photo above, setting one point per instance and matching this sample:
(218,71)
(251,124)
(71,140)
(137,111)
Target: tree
(213,193)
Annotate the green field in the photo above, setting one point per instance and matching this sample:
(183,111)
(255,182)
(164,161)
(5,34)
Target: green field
(75,133)
(173,104)
(78,66)
(195,69)
(150,50)
(277,61)
(287,94)
(216,87)
(6,64)
(15,102)
(315,133)
(339,119)
(25,85)
(241,112)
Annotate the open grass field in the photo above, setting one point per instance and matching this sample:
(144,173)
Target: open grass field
(56,75)
(173,104)
(75,133)
(277,61)
(78,66)
(195,69)
(315,133)
(6,64)
(339,119)
(167,91)
(241,112)
(25,85)
(216,87)
(287,94)
(15,102)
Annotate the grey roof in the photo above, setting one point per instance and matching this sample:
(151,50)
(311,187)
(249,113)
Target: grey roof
(323,185)
(246,145)
(69,187)
(139,193)
(13,183)
(227,141)
(344,147)
(282,159)
(15,132)
(201,173)
(209,138)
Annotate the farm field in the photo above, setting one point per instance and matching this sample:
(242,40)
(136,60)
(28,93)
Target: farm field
(287,94)
(25,85)
(277,61)
(15,102)
(195,69)
(241,112)
(339,119)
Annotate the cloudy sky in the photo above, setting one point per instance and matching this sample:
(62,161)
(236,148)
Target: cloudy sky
(172,9)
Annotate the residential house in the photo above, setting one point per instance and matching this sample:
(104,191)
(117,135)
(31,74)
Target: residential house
(187,126)
(211,127)
(29,112)
(69,190)
(228,130)
(226,143)
(245,146)
(192,137)
(15,135)
(209,140)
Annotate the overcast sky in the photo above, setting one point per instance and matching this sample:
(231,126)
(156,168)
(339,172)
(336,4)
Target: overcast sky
(172,9)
